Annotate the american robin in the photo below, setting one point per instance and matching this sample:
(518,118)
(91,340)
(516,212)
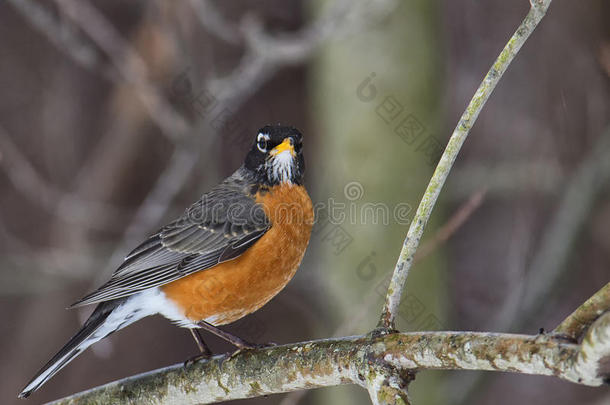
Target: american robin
(224,258)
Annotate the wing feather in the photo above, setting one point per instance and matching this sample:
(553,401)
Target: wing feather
(211,231)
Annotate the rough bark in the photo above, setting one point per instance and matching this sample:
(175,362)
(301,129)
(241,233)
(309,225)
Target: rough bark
(383,363)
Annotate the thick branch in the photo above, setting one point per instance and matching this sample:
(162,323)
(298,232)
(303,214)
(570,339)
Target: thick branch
(388,385)
(350,361)
(593,362)
(416,230)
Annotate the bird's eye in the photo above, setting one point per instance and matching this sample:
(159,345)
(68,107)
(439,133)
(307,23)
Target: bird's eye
(262,145)
(262,142)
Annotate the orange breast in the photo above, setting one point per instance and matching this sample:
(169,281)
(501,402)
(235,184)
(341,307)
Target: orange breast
(233,289)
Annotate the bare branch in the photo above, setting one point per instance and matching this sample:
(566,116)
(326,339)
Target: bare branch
(352,360)
(574,208)
(62,36)
(154,206)
(70,208)
(593,362)
(387,385)
(265,53)
(416,230)
(575,325)
(212,20)
(129,64)
(454,223)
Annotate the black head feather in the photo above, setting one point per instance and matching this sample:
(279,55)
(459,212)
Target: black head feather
(260,160)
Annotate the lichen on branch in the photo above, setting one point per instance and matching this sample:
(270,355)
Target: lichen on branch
(358,360)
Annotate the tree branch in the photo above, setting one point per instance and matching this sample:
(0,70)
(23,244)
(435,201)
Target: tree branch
(129,64)
(363,360)
(581,191)
(388,385)
(575,325)
(537,11)
(593,362)
(63,36)
(69,207)
(265,53)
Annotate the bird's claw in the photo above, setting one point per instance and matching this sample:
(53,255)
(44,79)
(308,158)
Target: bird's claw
(195,359)
(252,346)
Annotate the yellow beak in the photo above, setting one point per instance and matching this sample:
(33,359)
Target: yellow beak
(286,145)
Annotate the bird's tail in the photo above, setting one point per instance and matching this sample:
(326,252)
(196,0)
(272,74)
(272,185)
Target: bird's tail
(93,330)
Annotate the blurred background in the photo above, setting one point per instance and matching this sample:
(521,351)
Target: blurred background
(117,115)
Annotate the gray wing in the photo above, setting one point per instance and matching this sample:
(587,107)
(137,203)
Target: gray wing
(222,225)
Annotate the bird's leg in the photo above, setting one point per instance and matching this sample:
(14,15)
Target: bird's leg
(204,350)
(234,340)
(203,347)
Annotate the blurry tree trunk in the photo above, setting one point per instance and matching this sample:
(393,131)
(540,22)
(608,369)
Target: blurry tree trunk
(382,118)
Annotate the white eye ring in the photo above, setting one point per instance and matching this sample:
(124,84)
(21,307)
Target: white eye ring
(261,142)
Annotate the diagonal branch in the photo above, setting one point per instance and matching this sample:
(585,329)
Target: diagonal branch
(63,36)
(537,11)
(212,20)
(25,178)
(575,325)
(266,53)
(129,64)
(575,206)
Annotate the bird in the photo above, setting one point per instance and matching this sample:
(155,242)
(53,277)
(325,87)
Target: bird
(226,256)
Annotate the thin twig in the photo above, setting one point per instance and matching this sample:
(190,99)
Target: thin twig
(63,36)
(237,87)
(69,207)
(155,205)
(454,223)
(574,208)
(211,19)
(129,64)
(416,230)
(266,53)
(451,226)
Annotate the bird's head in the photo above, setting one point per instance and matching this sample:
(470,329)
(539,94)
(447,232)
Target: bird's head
(277,155)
